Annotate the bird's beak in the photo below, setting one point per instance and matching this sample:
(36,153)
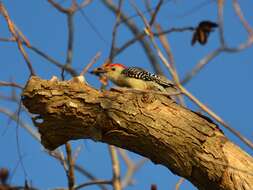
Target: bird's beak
(98,71)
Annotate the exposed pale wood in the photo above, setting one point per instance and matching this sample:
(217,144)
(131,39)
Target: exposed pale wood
(151,125)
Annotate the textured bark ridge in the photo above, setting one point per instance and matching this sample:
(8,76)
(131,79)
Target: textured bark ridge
(151,125)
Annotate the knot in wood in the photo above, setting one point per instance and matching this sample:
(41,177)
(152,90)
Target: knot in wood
(148,98)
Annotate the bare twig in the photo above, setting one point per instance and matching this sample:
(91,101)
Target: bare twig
(131,167)
(180,181)
(73,8)
(84,4)
(58,6)
(70,173)
(153,17)
(45,56)
(143,34)
(60,157)
(53,61)
(114,31)
(23,38)
(88,175)
(135,31)
(69,57)
(94,182)
(171,30)
(70,18)
(147,10)
(125,157)
(94,60)
(166,46)
(14,117)
(12,98)
(241,17)
(93,27)
(220,22)
(116,183)
(12,84)
(204,61)
(12,30)
(76,153)
(131,171)
(130,42)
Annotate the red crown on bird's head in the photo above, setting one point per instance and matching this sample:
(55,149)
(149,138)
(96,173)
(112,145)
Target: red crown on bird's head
(109,65)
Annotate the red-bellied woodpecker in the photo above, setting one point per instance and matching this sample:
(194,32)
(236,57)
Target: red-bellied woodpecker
(136,78)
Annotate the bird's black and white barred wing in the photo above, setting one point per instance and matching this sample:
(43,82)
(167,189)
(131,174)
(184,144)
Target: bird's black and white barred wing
(139,73)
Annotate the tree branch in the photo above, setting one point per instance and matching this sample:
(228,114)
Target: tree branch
(69,58)
(12,84)
(70,171)
(148,124)
(116,182)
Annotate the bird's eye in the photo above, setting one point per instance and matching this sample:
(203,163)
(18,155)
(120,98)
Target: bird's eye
(113,69)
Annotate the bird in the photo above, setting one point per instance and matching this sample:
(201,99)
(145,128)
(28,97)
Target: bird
(135,78)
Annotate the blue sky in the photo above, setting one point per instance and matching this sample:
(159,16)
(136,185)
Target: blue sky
(225,84)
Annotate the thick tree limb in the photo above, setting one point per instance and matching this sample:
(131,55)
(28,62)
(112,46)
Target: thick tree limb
(151,125)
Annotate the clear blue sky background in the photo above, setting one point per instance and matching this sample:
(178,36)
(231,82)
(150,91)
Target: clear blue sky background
(225,84)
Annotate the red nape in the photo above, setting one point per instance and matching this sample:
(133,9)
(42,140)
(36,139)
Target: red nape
(116,64)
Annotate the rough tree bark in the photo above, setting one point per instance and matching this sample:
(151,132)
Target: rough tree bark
(151,125)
